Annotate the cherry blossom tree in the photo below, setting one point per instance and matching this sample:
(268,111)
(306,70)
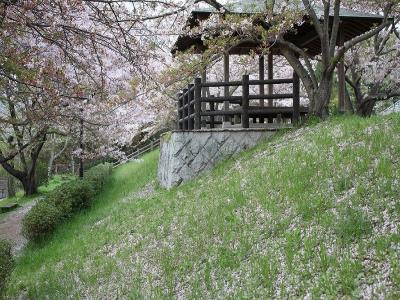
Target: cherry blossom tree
(70,62)
(373,70)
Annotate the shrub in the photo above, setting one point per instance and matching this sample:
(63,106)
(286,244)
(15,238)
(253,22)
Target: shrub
(98,176)
(41,220)
(41,171)
(64,201)
(72,197)
(6,264)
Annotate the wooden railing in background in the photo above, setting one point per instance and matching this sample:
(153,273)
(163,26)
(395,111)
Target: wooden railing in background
(138,152)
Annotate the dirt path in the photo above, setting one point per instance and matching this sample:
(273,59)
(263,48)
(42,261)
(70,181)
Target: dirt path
(11,225)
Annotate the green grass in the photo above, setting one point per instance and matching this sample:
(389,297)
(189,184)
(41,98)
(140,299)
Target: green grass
(314,211)
(22,200)
(54,182)
(19,198)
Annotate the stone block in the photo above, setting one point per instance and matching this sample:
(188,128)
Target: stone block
(184,155)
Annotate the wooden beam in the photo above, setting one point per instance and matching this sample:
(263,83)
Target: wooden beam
(190,106)
(197,103)
(261,65)
(185,110)
(270,77)
(245,102)
(254,111)
(251,82)
(226,80)
(212,119)
(204,94)
(296,98)
(180,113)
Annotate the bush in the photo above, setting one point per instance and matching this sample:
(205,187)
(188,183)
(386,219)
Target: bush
(41,171)
(98,176)
(64,201)
(72,197)
(6,264)
(41,220)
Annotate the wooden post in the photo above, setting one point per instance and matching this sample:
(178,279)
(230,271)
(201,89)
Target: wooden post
(270,86)
(296,98)
(245,102)
(178,107)
(226,88)
(212,119)
(185,110)
(182,103)
(262,77)
(204,94)
(190,106)
(197,103)
(180,113)
(341,76)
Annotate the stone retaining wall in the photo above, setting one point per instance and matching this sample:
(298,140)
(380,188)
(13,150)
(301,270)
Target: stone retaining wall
(185,154)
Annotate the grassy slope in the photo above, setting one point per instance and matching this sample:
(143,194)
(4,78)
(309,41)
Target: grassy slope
(313,212)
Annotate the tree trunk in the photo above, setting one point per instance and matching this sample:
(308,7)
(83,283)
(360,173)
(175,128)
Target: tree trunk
(11,186)
(348,104)
(28,175)
(318,89)
(53,157)
(321,98)
(50,166)
(30,185)
(365,108)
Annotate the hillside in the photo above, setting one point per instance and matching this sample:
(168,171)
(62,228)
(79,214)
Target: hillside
(313,212)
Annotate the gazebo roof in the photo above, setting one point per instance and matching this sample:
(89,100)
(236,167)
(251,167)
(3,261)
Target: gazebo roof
(353,23)
(257,6)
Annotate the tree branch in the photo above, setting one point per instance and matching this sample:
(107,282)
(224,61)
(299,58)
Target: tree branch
(314,17)
(339,55)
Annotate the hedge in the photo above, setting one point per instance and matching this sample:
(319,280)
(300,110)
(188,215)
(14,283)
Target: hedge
(72,196)
(6,264)
(63,202)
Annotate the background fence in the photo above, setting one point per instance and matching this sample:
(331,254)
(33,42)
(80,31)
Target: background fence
(139,152)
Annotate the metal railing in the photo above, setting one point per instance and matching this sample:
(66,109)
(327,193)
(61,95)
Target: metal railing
(138,152)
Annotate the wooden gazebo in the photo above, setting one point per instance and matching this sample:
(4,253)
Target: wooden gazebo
(196,110)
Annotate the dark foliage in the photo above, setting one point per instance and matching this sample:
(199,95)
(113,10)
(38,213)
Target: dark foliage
(63,202)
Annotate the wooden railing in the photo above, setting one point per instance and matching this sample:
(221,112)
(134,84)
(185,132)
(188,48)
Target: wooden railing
(138,152)
(192,117)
